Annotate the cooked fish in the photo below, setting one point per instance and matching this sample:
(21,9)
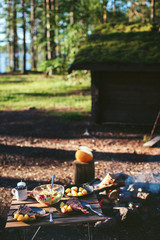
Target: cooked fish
(23,209)
(76,205)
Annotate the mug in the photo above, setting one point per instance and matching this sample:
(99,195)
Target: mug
(20,192)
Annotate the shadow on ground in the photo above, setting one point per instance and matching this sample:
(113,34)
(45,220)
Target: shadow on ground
(40,124)
(60,154)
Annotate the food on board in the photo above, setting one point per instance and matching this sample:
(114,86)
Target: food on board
(76,205)
(65,208)
(76,191)
(25,213)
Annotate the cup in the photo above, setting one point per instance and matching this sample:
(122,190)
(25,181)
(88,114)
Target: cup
(20,191)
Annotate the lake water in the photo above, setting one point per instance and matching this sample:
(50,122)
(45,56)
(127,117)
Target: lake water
(4,62)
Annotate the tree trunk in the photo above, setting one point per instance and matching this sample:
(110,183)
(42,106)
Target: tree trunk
(57,47)
(105,11)
(24,36)
(83,172)
(53,9)
(143,11)
(14,38)
(45,28)
(153,11)
(114,6)
(33,50)
(71,18)
(50,6)
(71,14)
(9,35)
(131,12)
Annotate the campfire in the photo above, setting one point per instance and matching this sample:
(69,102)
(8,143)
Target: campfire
(125,200)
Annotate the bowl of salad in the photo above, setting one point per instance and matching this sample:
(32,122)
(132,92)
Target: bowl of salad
(47,196)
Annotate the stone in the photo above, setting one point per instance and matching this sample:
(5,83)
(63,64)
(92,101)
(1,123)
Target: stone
(114,194)
(129,216)
(142,195)
(108,223)
(125,197)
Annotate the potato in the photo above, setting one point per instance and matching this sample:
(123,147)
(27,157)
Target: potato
(80,189)
(16,215)
(74,193)
(74,188)
(69,209)
(32,217)
(64,209)
(26,217)
(68,190)
(80,194)
(61,204)
(84,192)
(20,217)
(69,194)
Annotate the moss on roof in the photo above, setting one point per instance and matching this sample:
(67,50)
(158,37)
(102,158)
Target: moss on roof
(121,44)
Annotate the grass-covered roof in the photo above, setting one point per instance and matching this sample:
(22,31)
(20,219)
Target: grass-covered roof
(131,44)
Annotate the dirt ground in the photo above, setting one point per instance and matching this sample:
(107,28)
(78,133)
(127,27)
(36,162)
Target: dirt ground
(33,146)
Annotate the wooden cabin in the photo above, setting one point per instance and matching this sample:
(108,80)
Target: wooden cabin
(125,73)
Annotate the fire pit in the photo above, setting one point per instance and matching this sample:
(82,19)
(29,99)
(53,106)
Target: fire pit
(130,202)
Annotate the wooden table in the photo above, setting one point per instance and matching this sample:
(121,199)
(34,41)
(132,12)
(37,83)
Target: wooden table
(58,219)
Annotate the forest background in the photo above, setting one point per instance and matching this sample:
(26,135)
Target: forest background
(52,31)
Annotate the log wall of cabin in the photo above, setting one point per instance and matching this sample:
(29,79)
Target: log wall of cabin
(125,97)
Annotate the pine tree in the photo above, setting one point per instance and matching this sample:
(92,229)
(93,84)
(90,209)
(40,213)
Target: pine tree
(14,37)
(33,35)
(153,11)
(24,36)
(8,21)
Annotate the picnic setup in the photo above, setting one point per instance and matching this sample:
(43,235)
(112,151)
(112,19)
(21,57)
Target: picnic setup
(93,205)
(30,213)
(53,204)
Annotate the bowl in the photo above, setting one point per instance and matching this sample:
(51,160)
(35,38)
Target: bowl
(45,196)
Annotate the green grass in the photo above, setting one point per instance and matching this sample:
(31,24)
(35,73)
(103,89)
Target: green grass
(61,93)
